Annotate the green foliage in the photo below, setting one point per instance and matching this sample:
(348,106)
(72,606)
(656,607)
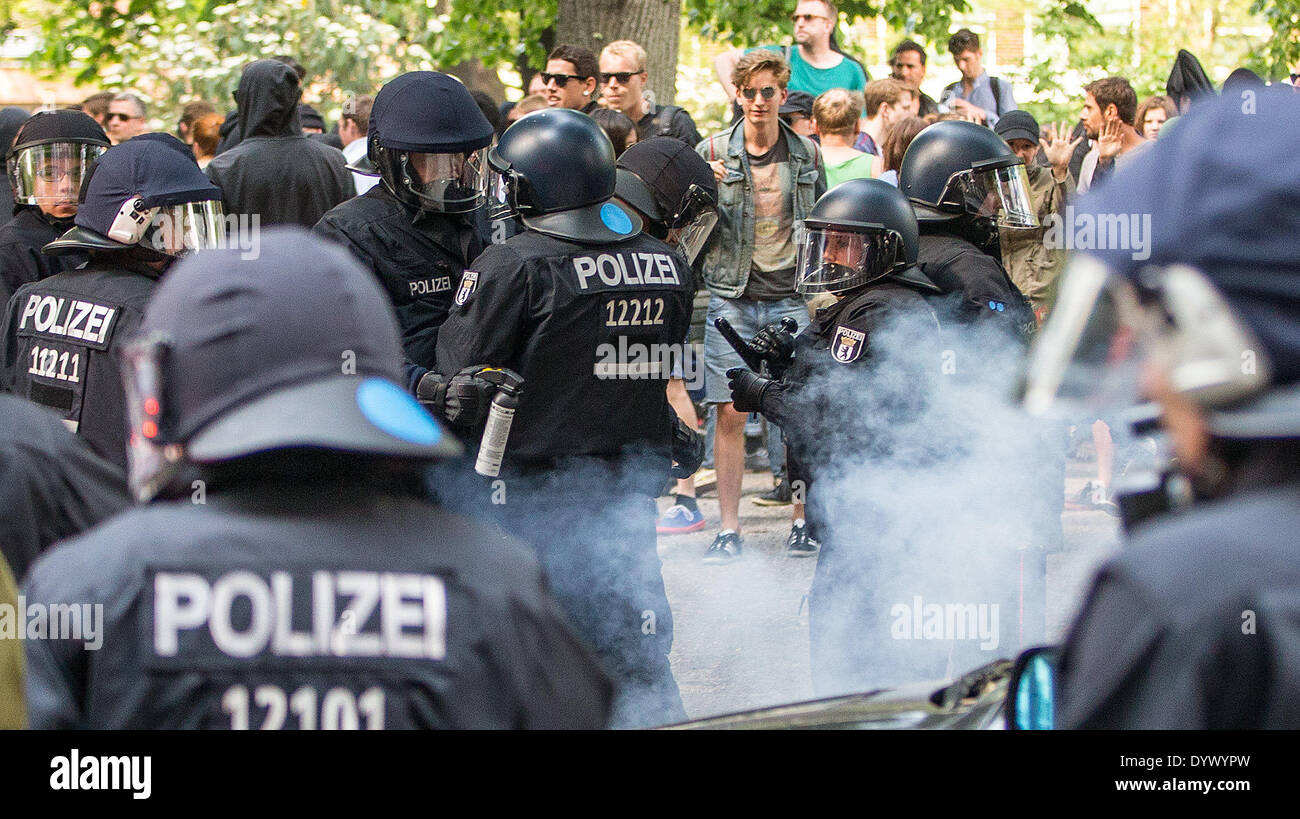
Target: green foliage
(182,49)
(1275,60)
(760,22)
(1080,49)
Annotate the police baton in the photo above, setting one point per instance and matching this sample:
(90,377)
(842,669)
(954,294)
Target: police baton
(752,359)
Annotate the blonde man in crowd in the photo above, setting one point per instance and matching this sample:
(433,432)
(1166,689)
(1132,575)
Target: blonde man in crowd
(623,68)
(836,114)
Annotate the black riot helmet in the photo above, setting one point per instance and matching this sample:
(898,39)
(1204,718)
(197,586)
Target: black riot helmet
(556,170)
(221,374)
(672,188)
(147,196)
(426,142)
(859,231)
(956,167)
(51,156)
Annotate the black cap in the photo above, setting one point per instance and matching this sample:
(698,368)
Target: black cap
(653,176)
(1234,217)
(1018,125)
(797,102)
(296,348)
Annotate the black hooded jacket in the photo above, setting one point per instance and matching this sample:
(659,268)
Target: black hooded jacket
(21,259)
(275,171)
(52,486)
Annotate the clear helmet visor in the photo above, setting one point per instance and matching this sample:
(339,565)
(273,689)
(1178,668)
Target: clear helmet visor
(152,462)
(51,173)
(1105,340)
(448,183)
(1000,193)
(1087,358)
(696,217)
(692,238)
(176,230)
(833,260)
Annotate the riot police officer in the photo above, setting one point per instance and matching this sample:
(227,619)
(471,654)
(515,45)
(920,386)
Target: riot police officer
(51,153)
(285,574)
(586,308)
(417,230)
(860,373)
(143,205)
(1192,624)
(964,181)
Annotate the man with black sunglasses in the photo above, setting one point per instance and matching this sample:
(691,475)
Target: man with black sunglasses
(126,118)
(572,79)
(816,62)
(768,179)
(623,66)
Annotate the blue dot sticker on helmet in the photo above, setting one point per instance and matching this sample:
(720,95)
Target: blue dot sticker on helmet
(394,411)
(615,218)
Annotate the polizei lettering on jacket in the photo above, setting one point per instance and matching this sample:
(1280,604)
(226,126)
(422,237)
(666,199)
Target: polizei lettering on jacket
(618,270)
(246,614)
(60,317)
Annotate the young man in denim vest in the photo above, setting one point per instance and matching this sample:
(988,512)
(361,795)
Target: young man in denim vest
(768,179)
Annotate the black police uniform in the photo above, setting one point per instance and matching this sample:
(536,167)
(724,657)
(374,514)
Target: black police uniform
(842,413)
(21,259)
(982,291)
(1193,625)
(279,604)
(51,485)
(589,445)
(567,317)
(58,343)
(418,258)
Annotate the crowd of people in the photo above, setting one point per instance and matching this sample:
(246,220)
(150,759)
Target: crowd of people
(240,338)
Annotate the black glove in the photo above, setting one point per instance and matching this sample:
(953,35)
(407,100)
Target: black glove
(464,400)
(688,449)
(775,345)
(747,389)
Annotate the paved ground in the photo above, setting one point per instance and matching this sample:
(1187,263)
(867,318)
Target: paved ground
(741,630)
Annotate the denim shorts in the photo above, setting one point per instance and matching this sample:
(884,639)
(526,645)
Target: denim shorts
(747,317)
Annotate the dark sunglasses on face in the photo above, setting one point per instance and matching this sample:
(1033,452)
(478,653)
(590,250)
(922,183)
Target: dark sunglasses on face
(112,115)
(807,18)
(768,91)
(560,79)
(623,77)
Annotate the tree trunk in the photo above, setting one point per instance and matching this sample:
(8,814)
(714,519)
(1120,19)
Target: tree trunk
(653,24)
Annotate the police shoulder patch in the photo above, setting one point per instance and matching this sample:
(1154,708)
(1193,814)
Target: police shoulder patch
(468,281)
(847,344)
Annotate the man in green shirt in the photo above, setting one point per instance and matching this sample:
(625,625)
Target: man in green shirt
(815,66)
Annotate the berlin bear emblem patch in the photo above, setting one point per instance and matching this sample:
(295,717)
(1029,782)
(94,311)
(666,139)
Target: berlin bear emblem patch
(467,284)
(847,345)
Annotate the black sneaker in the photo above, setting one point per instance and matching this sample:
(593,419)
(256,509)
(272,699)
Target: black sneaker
(801,543)
(726,547)
(779,496)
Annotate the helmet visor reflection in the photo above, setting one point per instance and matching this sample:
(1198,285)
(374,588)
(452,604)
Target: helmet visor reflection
(187,227)
(52,173)
(1002,193)
(448,183)
(831,261)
